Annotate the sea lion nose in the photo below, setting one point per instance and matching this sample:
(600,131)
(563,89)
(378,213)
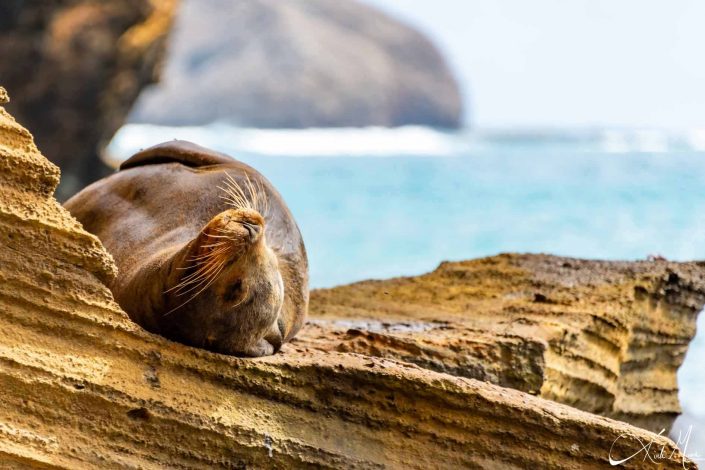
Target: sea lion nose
(255,230)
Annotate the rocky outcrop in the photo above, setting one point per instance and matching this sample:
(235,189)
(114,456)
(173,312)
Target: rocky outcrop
(74,68)
(299,63)
(83,386)
(606,337)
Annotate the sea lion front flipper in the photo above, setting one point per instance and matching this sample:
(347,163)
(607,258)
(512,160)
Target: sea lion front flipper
(176,151)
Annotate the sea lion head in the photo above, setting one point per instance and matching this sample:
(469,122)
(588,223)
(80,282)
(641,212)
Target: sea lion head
(233,285)
(250,277)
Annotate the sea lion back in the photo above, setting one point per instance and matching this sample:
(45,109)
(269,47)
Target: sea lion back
(177,151)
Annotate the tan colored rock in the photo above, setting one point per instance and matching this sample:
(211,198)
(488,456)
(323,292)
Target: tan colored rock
(74,69)
(83,387)
(606,337)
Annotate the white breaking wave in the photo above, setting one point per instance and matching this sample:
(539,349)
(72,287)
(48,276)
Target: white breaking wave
(369,141)
(639,141)
(401,141)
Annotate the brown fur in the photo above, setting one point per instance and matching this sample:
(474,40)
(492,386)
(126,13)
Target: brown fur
(203,245)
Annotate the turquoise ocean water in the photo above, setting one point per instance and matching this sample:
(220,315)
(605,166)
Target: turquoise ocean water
(377,203)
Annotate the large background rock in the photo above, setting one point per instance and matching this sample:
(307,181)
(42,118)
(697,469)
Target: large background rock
(84,387)
(299,63)
(74,68)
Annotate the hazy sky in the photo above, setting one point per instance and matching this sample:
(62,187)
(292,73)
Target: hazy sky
(571,62)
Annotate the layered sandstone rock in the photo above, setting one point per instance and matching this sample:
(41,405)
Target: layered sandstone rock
(299,63)
(74,68)
(83,387)
(606,337)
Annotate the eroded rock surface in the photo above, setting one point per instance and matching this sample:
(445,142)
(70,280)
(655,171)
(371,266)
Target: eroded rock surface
(606,337)
(83,387)
(74,68)
(299,63)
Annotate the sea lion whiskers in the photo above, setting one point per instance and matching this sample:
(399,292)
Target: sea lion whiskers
(199,260)
(205,268)
(215,247)
(212,245)
(235,195)
(254,195)
(213,278)
(203,259)
(203,265)
(218,236)
(208,270)
(218,248)
(202,278)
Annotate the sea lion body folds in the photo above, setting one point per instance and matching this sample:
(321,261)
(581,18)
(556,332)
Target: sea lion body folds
(207,251)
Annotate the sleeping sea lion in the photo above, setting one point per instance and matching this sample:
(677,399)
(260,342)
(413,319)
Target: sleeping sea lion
(207,251)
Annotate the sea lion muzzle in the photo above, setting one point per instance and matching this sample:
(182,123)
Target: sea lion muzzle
(208,254)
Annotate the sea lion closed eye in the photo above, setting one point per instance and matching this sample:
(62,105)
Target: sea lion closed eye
(207,251)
